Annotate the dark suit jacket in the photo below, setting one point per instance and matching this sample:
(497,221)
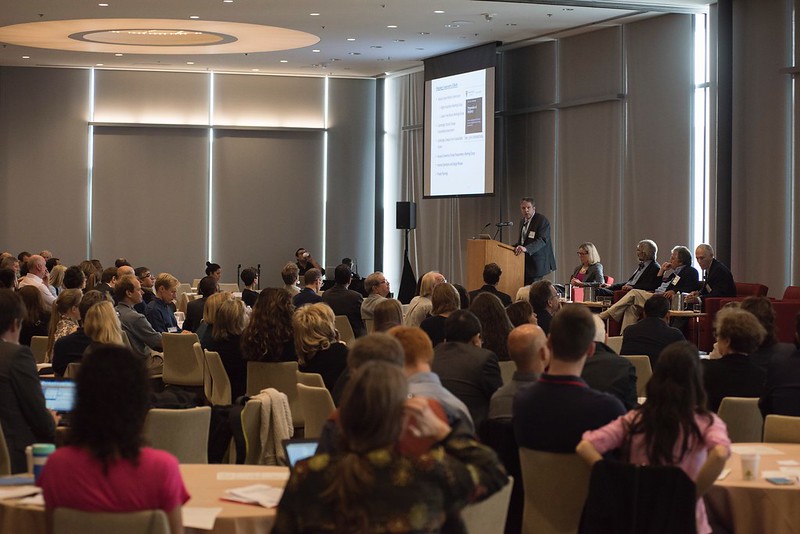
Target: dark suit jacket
(689,280)
(649,336)
(594,274)
(648,281)
(23,415)
(194,314)
(609,372)
(718,282)
(69,349)
(539,257)
(733,375)
(306,296)
(543,318)
(504,298)
(470,373)
(345,302)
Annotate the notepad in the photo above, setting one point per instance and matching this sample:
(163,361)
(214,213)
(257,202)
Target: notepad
(259,494)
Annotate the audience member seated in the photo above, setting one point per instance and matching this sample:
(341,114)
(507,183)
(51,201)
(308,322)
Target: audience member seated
(102,326)
(377,287)
(37,278)
(74,278)
(491,277)
(770,348)
(214,271)
(463,296)
(142,337)
(161,312)
(645,277)
(306,262)
(290,275)
(344,301)
(650,335)
(520,313)
(108,280)
(250,280)
(527,347)
(57,279)
(468,371)
(495,324)
(269,336)
(8,279)
(91,274)
(37,317)
(206,287)
(378,346)
(545,302)
(782,390)
(552,414)
(718,280)
(422,382)
(64,317)
(677,276)
(608,372)
(105,466)
(226,336)
(70,348)
(444,301)
(213,303)
(435,485)
(310,293)
(420,306)
(673,427)
(387,313)
(23,415)
(147,280)
(734,375)
(590,270)
(316,342)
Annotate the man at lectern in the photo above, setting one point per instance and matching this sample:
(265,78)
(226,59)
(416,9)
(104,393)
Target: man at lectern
(534,241)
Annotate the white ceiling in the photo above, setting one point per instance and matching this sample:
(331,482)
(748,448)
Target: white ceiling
(377,49)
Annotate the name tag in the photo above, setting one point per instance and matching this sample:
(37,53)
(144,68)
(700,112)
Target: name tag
(708,288)
(676,280)
(531,235)
(172,329)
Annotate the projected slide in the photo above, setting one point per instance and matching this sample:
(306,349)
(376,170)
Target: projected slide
(460,134)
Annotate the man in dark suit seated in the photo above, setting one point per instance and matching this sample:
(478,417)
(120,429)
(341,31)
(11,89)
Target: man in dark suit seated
(468,371)
(310,293)
(650,335)
(677,276)
(645,277)
(545,303)
(491,277)
(23,415)
(609,372)
(344,301)
(718,280)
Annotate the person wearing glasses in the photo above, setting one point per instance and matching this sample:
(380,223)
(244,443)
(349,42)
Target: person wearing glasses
(590,270)
(377,287)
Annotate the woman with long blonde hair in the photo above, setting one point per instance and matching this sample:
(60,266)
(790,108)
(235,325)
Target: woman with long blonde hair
(102,324)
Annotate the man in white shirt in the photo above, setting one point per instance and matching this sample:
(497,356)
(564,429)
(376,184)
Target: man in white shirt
(37,277)
(377,287)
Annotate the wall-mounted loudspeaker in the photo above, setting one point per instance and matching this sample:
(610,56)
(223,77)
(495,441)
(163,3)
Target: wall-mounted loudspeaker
(406,215)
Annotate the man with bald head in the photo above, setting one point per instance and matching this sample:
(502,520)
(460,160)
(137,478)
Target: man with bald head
(717,278)
(527,347)
(37,277)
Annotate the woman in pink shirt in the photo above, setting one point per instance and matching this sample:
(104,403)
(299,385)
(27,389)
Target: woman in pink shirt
(673,427)
(105,466)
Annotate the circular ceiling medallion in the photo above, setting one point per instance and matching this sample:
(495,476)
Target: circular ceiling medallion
(155,36)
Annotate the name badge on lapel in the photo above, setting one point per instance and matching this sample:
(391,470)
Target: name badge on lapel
(531,235)
(676,280)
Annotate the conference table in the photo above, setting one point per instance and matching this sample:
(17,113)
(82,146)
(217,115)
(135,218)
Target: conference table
(206,485)
(757,506)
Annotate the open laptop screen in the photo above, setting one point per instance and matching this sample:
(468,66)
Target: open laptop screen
(59,395)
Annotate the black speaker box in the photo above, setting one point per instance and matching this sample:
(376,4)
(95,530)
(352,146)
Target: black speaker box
(406,215)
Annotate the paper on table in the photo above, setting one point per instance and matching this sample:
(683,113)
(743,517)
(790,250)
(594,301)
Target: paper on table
(19,491)
(793,471)
(199,517)
(254,475)
(260,494)
(725,472)
(763,450)
(776,474)
(37,500)
(788,462)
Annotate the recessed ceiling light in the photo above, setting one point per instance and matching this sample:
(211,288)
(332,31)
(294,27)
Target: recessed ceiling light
(26,57)
(438,11)
(284,61)
(392,26)
(99,65)
(102,5)
(227,1)
(314,14)
(351,38)
(254,70)
(316,51)
(194,16)
(118,55)
(190,62)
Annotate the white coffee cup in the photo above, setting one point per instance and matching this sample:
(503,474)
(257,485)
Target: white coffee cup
(750,466)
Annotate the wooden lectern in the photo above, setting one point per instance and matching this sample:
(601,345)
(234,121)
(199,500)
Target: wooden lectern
(483,251)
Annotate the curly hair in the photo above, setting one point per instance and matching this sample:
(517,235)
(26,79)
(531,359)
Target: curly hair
(107,424)
(270,327)
(314,330)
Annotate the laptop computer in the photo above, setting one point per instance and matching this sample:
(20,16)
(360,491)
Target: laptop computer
(59,396)
(299,449)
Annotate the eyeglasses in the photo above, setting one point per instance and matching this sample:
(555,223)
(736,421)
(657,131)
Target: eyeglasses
(582,253)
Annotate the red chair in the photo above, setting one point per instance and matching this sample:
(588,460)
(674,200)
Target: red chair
(610,280)
(785,313)
(792,293)
(705,337)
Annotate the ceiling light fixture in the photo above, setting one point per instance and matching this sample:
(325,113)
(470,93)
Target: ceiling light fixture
(351,38)
(190,62)
(118,55)
(316,51)
(284,61)
(314,14)
(439,12)
(194,16)
(26,57)
(392,26)
(102,5)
